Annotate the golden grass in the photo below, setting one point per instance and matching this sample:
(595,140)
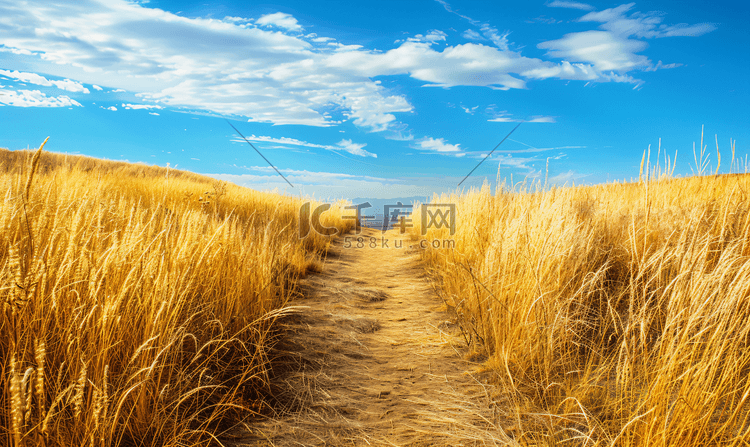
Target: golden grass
(138,302)
(615,314)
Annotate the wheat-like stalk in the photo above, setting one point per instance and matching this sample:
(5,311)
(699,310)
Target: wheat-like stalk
(26,394)
(118,270)
(605,307)
(16,402)
(40,353)
(32,169)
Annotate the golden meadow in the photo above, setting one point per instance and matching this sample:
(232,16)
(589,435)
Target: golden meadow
(138,302)
(615,314)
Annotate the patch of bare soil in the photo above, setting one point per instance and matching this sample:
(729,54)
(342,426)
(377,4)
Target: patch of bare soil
(374,360)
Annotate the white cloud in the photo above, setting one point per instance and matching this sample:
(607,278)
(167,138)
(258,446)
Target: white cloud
(280,20)
(96,87)
(231,19)
(435,35)
(502,118)
(488,31)
(523,163)
(566,70)
(23,52)
(640,24)
(343,145)
(662,66)
(34,98)
(141,106)
(153,113)
(530,148)
(112,108)
(544,19)
(499,39)
(505,117)
(400,133)
(448,8)
(354,148)
(602,49)
(611,48)
(33,78)
(572,5)
(432,37)
(439,145)
(470,34)
(118,90)
(470,111)
(227,67)
(541,119)
(202,64)
(466,64)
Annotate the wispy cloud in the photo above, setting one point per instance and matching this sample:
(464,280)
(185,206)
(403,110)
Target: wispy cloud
(572,5)
(472,35)
(141,106)
(33,78)
(354,148)
(662,66)
(615,46)
(505,117)
(34,98)
(489,32)
(531,148)
(524,164)
(343,145)
(544,19)
(638,24)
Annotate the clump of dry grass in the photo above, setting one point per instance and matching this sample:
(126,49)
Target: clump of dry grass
(615,314)
(138,302)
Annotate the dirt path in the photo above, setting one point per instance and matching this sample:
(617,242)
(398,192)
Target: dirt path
(374,361)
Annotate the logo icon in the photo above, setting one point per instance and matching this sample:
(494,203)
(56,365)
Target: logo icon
(439,215)
(434,215)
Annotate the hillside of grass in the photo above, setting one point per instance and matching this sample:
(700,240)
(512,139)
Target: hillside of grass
(615,314)
(138,302)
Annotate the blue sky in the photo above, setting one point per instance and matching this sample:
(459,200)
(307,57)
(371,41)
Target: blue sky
(377,99)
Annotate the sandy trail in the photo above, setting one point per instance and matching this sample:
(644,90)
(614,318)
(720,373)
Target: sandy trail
(375,361)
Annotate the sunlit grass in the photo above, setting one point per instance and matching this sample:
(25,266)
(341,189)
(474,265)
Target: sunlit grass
(138,302)
(615,314)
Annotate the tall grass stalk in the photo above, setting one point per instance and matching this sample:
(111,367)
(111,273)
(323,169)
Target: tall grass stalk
(615,314)
(138,302)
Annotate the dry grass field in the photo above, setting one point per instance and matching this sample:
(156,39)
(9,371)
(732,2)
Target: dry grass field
(137,301)
(139,309)
(616,314)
